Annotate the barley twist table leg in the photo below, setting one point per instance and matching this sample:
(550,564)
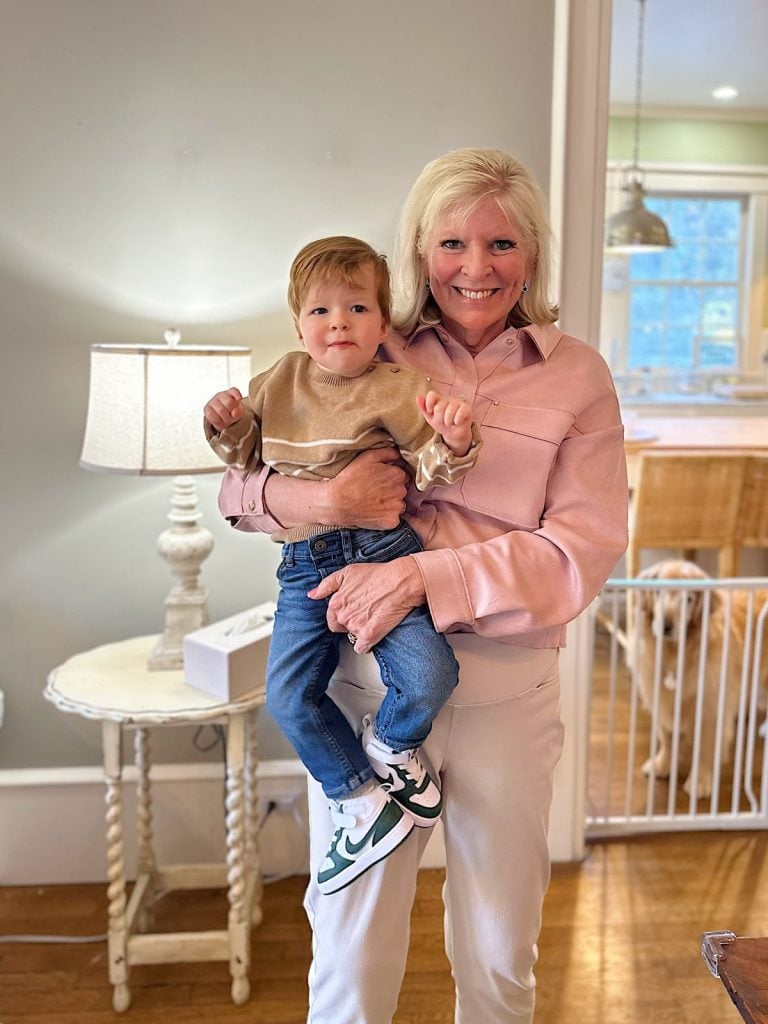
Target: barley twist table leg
(118,937)
(146,854)
(239,923)
(252,860)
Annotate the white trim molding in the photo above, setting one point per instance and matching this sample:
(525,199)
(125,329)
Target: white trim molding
(52,820)
(723,113)
(581,70)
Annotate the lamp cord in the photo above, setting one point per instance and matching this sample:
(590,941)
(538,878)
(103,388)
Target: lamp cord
(638,84)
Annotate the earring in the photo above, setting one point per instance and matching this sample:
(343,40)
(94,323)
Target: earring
(426,284)
(525,287)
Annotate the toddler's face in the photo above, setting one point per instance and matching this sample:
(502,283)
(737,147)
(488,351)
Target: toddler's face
(341,325)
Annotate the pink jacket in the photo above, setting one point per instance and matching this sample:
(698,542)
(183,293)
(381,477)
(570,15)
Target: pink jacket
(524,542)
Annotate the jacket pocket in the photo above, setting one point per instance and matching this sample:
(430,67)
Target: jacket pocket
(520,446)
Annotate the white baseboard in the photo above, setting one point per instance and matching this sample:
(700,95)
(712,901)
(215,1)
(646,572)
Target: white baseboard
(52,828)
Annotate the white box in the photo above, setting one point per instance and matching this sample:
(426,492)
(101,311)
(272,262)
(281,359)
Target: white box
(229,658)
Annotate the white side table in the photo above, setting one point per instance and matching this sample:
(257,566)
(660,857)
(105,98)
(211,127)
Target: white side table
(113,685)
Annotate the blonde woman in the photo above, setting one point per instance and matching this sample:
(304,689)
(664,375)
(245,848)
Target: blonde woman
(513,553)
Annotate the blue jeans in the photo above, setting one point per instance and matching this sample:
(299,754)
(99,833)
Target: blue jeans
(416,662)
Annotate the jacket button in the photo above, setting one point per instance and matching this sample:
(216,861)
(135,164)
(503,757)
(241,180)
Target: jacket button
(251,505)
(395,369)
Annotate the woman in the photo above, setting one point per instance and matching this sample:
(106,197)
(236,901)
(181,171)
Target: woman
(514,552)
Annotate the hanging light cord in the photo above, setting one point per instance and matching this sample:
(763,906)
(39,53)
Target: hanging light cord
(638,84)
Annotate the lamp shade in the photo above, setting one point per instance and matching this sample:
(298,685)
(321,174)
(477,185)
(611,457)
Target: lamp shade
(145,406)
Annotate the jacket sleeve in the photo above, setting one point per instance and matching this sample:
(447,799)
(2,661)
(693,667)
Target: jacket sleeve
(523,581)
(241,499)
(241,495)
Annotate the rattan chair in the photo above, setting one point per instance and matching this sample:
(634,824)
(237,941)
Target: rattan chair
(752,518)
(689,501)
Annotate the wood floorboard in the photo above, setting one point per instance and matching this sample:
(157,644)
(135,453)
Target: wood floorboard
(619,944)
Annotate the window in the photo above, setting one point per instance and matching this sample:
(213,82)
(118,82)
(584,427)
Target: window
(685,303)
(680,320)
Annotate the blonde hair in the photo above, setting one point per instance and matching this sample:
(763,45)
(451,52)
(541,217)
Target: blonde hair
(457,182)
(339,257)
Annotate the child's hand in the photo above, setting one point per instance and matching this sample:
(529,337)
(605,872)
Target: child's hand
(450,417)
(224,409)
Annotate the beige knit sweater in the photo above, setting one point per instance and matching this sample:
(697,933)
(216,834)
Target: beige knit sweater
(304,421)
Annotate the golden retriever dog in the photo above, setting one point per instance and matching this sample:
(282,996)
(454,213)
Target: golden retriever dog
(660,623)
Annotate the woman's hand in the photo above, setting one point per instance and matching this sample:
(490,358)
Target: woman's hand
(368,600)
(224,409)
(369,493)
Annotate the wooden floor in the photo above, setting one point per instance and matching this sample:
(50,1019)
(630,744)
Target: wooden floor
(620,945)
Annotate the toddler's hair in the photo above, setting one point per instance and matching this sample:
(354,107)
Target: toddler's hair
(337,257)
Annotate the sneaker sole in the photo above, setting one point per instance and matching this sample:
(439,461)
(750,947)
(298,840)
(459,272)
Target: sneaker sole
(382,851)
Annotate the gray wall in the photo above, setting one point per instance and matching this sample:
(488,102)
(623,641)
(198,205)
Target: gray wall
(162,162)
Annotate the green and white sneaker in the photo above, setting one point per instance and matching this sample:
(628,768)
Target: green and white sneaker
(404,777)
(369,828)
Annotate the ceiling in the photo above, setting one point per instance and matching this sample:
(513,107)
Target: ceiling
(691,47)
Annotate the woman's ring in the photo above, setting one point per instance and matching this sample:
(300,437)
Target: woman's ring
(352,638)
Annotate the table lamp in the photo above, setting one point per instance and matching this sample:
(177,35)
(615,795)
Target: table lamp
(145,417)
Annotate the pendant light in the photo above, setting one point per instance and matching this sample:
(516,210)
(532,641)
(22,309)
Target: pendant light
(634,228)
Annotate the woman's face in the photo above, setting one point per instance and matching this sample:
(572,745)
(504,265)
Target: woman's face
(476,268)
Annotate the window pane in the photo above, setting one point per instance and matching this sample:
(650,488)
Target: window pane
(648,266)
(646,347)
(684,306)
(685,262)
(685,302)
(721,262)
(719,311)
(717,354)
(722,219)
(647,304)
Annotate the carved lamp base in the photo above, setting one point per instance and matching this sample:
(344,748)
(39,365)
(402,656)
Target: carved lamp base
(185,546)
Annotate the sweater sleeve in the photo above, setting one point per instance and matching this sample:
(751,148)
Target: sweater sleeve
(236,444)
(434,462)
(425,451)
(523,581)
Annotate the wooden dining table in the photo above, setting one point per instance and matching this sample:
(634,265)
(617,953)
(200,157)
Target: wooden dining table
(693,433)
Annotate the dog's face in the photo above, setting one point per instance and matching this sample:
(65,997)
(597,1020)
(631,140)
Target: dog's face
(665,611)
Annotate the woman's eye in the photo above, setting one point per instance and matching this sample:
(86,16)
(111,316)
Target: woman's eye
(359,308)
(450,243)
(504,244)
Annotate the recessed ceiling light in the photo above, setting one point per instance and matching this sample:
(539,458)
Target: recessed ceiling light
(725,92)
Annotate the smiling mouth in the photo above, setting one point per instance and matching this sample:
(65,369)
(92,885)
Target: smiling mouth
(467,293)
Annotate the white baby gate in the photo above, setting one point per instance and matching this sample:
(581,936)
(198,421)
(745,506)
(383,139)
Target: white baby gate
(694,656)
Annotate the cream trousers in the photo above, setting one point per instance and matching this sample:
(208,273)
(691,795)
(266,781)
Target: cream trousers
(495,747)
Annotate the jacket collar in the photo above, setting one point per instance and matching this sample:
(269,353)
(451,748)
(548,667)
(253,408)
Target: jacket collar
(545,337)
